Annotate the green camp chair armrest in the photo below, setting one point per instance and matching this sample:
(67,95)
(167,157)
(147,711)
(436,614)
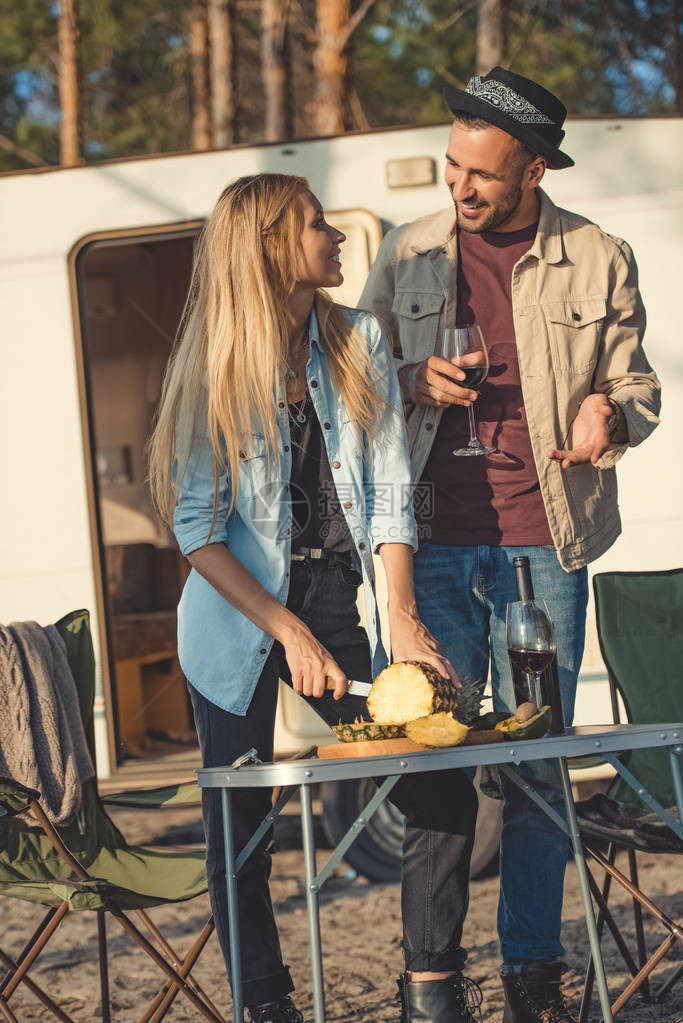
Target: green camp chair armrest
(585,762)
(185,794)
(14,796)
(588,760)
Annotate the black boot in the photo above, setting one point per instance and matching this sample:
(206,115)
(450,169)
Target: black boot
(455,999)
(283,1011)
(534,995)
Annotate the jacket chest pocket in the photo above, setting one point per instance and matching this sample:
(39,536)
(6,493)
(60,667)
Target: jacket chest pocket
(575,329)
(418,316)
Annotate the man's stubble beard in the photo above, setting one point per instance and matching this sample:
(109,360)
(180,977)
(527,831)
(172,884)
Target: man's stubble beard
(498,215)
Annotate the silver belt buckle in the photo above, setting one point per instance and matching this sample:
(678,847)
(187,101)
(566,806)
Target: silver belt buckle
(316,553)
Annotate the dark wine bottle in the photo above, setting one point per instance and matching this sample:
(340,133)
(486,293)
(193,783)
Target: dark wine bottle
(525,685)
(525,585)
(547,684)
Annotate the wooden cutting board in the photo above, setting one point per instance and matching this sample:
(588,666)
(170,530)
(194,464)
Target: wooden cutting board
(369,748)
(396,747)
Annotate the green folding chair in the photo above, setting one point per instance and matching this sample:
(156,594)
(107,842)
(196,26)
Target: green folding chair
(88,865)
(640,628)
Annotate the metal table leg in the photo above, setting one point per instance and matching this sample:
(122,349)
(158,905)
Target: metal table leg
(315,881)
(233,914)
(312,903)
(572,830)
(593,937)
(675,754)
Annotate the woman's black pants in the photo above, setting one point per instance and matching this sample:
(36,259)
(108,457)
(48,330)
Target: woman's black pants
(440,807)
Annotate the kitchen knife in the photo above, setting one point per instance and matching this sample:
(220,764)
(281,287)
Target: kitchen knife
(355,688)
(359,688)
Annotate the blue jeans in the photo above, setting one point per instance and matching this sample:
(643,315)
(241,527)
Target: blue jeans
(462,595)
(440,807)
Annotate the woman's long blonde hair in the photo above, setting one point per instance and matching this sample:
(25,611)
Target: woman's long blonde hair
(224,374)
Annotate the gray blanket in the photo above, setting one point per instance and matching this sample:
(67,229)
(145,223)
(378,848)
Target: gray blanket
(42,742)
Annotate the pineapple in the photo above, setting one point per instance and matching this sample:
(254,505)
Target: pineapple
(437,730)
(360,730)
(408,690)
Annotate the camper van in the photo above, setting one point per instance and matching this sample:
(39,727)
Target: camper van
(94,269)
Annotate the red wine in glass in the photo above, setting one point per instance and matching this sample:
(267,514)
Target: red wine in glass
(466,344)
(531,648)
(531,644)
(531,662)
(474,376)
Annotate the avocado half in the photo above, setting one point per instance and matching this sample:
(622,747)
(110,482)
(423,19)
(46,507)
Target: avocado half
(533,728)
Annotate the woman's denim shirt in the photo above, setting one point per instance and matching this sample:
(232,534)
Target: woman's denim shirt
(222,652)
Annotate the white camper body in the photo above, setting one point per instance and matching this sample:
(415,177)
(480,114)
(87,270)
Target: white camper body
(75,245)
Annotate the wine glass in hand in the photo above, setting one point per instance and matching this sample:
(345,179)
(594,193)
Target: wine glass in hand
(465,345)
(530,636)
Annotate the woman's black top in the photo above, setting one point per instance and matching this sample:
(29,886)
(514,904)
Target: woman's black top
(318,520)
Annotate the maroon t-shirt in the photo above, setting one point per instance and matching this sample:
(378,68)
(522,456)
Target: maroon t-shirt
(490,499)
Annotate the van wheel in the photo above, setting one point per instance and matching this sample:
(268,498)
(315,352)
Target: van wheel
(376,852)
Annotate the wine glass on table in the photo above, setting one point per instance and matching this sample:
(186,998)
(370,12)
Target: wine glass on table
(466,344)
(531,643)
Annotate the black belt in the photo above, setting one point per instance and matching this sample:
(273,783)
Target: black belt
(321,554)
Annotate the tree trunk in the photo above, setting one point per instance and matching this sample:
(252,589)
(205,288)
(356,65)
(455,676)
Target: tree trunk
(490,35)
(199,56)
(330,66)
(68,84)
(675,62)
(275,69)
(222,54)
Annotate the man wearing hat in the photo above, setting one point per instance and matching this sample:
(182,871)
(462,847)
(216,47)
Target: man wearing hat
(568,390)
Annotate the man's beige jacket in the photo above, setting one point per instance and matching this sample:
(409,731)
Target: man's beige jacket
(579,323)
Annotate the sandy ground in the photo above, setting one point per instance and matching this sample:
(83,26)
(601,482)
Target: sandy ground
(361,934)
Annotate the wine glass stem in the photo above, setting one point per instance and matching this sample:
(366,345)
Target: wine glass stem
(474,440)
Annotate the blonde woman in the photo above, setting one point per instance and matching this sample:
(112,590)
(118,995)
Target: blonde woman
(280,459)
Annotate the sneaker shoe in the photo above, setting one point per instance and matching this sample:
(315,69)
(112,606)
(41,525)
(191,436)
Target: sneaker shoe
(283,1011)
(535,996)
(455,999)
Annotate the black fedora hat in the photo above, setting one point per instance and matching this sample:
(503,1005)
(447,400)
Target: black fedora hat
(520,107)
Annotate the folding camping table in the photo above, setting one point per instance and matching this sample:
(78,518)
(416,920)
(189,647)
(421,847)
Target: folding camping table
(605,740)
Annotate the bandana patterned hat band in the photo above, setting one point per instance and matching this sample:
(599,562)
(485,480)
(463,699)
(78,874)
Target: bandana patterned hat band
(506,100)
(517,105)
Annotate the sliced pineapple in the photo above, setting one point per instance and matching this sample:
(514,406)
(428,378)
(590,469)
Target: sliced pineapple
(437,730)
(408,690)
(361,730)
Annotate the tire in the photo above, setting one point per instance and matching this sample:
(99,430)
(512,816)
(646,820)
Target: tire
(376,852)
